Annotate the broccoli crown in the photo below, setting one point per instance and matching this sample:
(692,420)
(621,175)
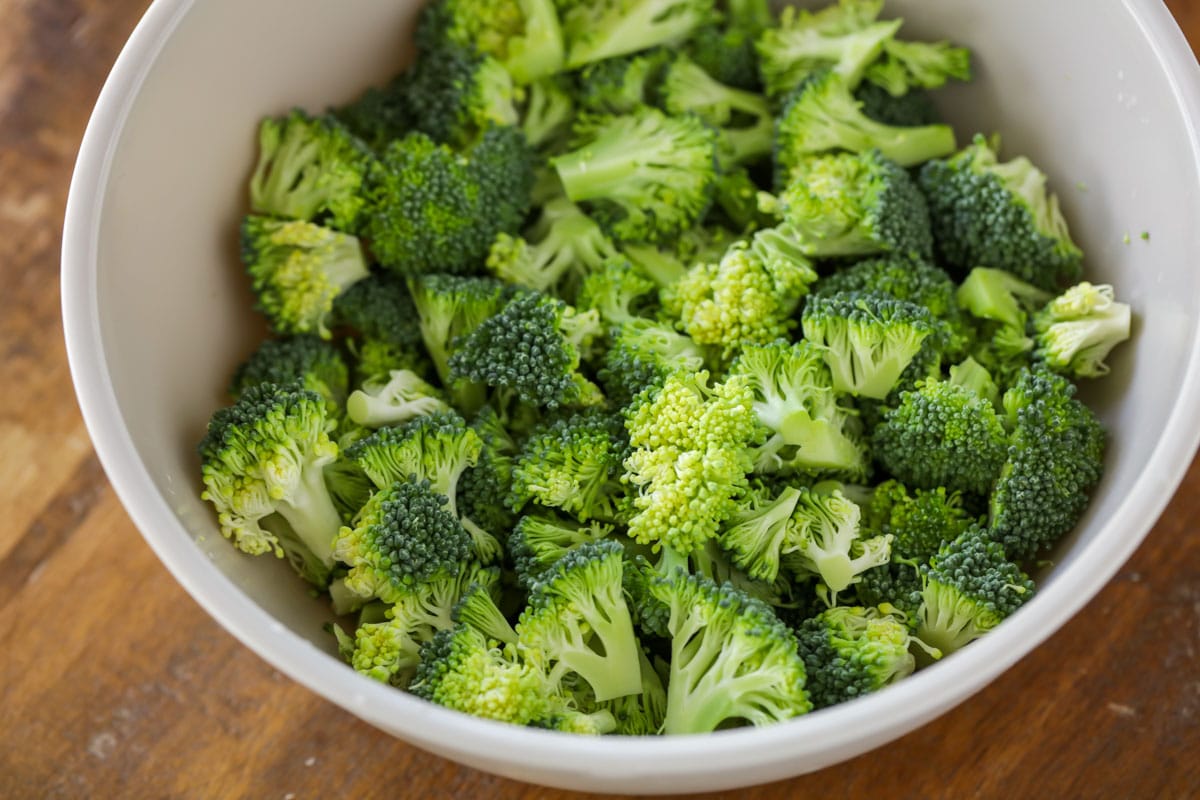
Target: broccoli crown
(643,353)
(914,281)
(844,39)
(599,30)
(523,35)
(539,540)
(380,114)
(1076,330)
(304,359)
(795,400)
(849,204)
(822,115)
(577,621)
(727,53)
(399,398)
(920,522)
(999,214)
(732,660)
(309,169)
(402,537)
(456,92)
(533,347)
(265,455)
(1056,457)
(686,412)
(432,209)
(910,110)
(297,269)
(564,243)
(547,111)
(462,670)
(423,609)
(619,292)
(646,176)
(968,588)
(907,66)
(385,651)
(942,434)
(478,609)
(450,307)
(436,447)
(896,586)
(743,117)
(850,651)
(754,535)
(869,338)
(622,84)
(380,311)
(746,298)
(573,464)
(826,539)
(1000,302)
(483,489)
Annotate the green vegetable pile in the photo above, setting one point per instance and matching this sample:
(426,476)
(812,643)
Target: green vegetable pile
(657,366)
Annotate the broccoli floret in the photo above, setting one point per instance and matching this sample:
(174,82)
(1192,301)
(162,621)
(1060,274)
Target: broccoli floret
(845,39)
(572,464)
(732,660)
(1055,459)
(905,66)
(483,489)
(461,669)
(754,535)
(577,621)
(912,109)
(748,297)
(523,35)
(622,84)
(743,118)
(539,540)
(1000,214)
(402,537)
(619,292)
(794,398)
(869,338)
(851,651)
(307,360)
(547,111)
(644,175)
(478,609)
(558,250)
(944,433)
(1076,330)
(432,209)
(380,115)
(297,269)
(822,115)
(736,198)
(532,347)
(727,53)
(895,586)
(381,317)
(309,169)
(401,397)
(920,522)
(265,456)
(384,651)
(448,308)
(606,28)
(643,353)
(854,204)
(686,412)
(1001,303)
(456,92)
(969,587)
(436,447)
(828,541)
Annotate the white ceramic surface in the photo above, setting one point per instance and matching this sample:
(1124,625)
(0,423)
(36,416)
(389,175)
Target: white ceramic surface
(1104,94)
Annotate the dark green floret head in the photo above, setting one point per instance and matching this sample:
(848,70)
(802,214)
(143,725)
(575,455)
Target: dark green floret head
(308,360)
(437,447)
(539,540)
(456,92)
(382,321)
(851,651)
(912,109)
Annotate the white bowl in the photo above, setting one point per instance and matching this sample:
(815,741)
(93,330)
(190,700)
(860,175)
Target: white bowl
(1103,94)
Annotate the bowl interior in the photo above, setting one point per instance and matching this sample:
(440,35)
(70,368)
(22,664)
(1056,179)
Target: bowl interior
(169,312)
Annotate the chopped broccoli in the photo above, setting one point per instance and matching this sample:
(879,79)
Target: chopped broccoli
(522,35)
(478,609)
(731,658)
(304,359)
(265,456)
(968,588)
(822,115)
(539,540)
(827,540)
(401,397)
(644,175)
(919,522)
(913,109)
(547,111)
(850,651)
(448,308)
(601,29)
(483,489)
(622,84)
(869,338)
(755,534)
(560,248)
(433,209)
(999,214)
(380,314)
(905,66)
(619,292)
(297,269)
(743,118)
(379,115)
(643,353)
(1076,330)
(456,92)
(309,169)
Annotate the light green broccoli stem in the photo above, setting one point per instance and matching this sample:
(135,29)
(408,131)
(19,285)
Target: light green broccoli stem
(310,512)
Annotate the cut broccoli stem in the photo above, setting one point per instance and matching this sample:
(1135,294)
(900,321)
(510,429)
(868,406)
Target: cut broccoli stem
(311,513)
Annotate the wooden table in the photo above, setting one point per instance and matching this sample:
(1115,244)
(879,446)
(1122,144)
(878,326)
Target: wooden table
(114,683)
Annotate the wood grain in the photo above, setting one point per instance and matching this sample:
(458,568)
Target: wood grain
(113,683)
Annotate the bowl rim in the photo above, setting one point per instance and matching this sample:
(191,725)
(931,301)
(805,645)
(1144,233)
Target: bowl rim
(824,737)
